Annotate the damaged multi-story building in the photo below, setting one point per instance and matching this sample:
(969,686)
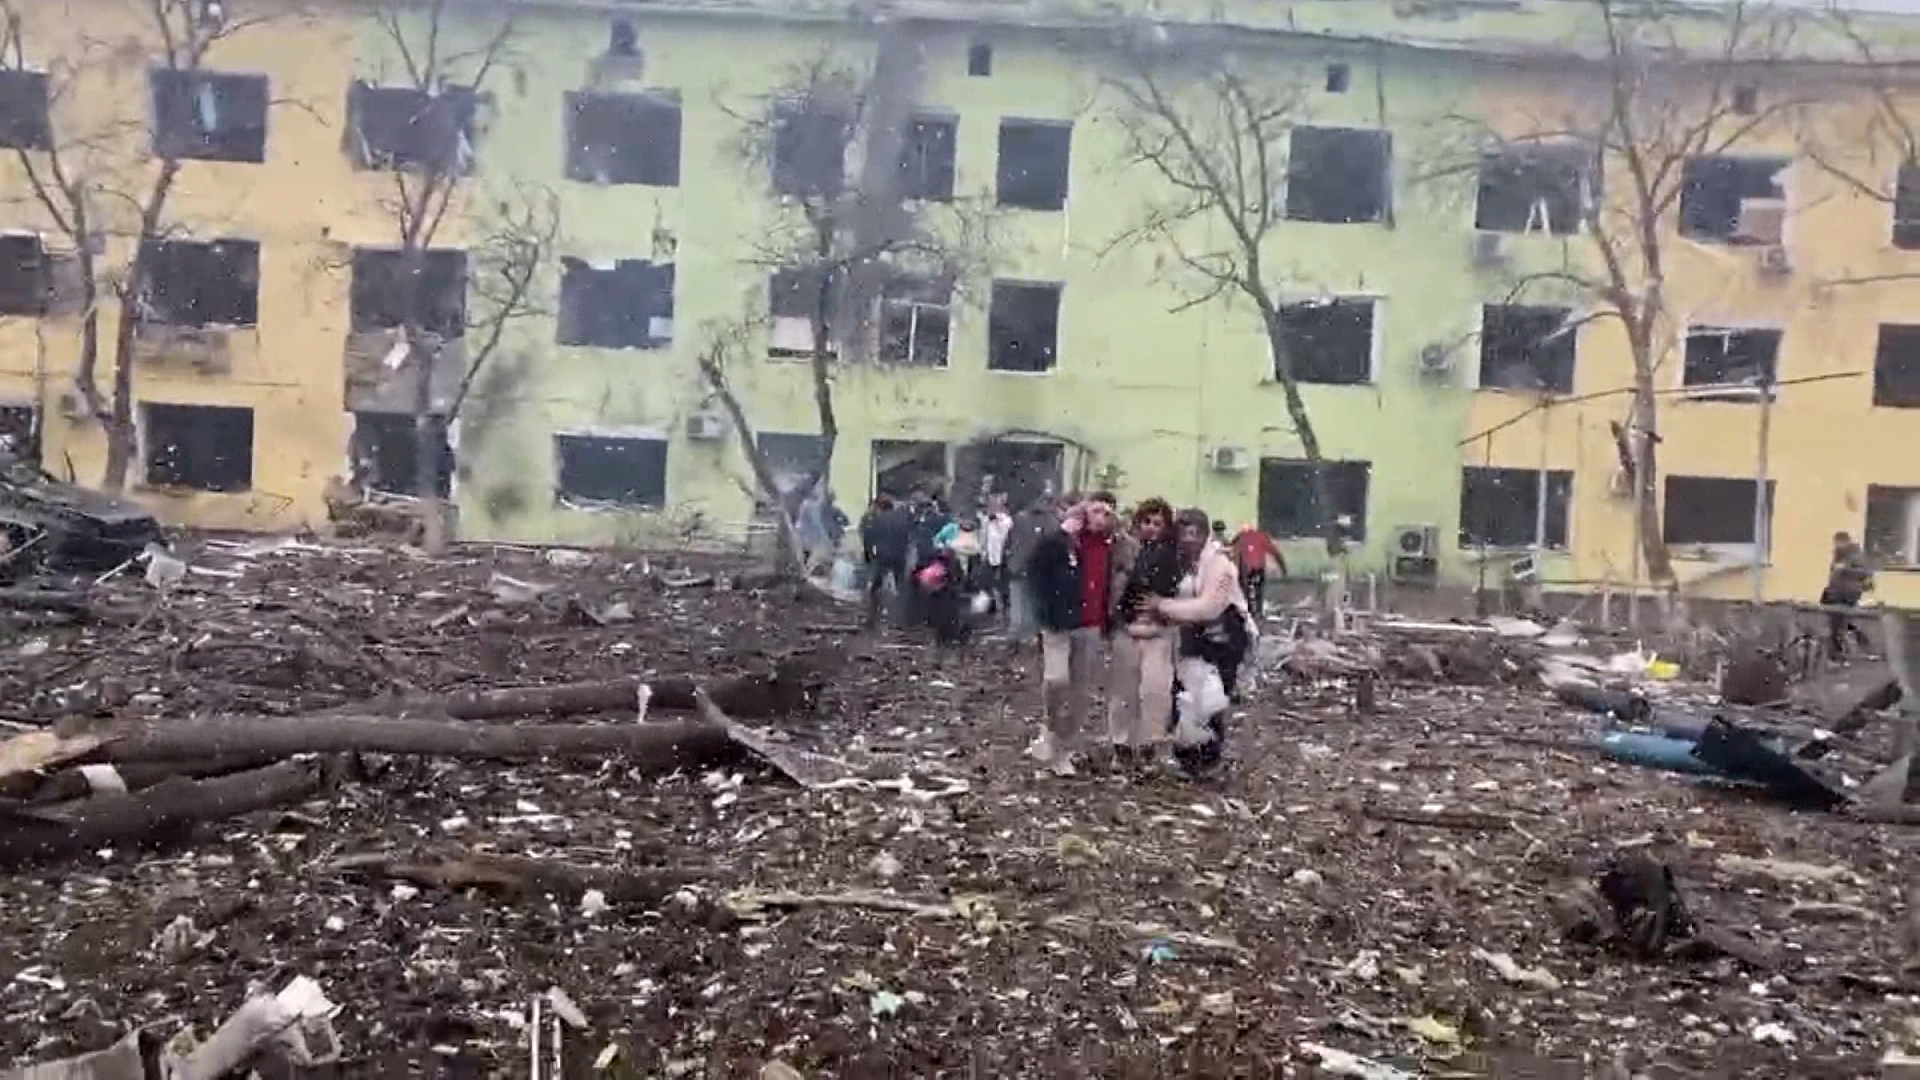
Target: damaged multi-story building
(1436,288)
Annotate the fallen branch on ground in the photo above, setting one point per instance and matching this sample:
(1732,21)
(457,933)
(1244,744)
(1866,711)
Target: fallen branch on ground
(518,876)
(1438,819)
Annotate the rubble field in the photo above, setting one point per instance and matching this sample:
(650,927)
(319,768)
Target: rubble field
(1372,894)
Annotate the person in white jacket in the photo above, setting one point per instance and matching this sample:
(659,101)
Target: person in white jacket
(1211,612)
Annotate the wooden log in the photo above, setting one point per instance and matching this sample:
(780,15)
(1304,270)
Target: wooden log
(516,876)
(791,688)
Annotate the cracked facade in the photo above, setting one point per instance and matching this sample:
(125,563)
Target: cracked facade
(265,356)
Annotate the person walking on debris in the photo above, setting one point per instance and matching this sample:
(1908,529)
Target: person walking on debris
(1849,579)
(1071,572)
(886,532)
(1142,678)
(1034,523)
(1253,550)
(1215,634)
(996,527)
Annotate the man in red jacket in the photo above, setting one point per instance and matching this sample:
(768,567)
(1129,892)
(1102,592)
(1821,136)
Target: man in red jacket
(1251,550)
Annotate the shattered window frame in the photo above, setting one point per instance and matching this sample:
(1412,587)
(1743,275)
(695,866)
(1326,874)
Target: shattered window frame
(625,306)
(171,283)
(34,299)
(789,456)
(792,302)
(1896,386)
(1023,342)
(381,439)
(910,308)
(1342,203)
(650,161)
(1891,534)
(633,459)
(809,151)
(1906,207)
(21,430)
(1559,182)
(31,126)
(179,440)
(1697,496)
(205,115)
(1707,351)
(1486,491)
(1285,498)
(373,291)
(1709,213)
(412,149)
(928,153)
(1044,184)
(1552,357)
(1298,341)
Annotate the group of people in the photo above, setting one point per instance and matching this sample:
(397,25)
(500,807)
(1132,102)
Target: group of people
(1165,603)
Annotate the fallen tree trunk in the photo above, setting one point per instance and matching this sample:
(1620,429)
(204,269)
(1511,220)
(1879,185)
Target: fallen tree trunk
(65,600)
(73,784)
(516,877)
(653,748)
(789,689)
(155,815)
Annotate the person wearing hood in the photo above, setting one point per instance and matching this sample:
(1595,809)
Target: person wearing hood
(885,535)
(1023,612)
(1071,570)
(1215,633)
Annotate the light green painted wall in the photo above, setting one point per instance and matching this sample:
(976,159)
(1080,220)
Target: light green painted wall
(1149,390)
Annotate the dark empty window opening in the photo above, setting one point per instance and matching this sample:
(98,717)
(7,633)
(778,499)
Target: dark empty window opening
(20,432)
(200,283)
(26,282)
(1501,507)
(612,471)
(623,39)
(1746,100)
(1023,327)
(1034,163)
(209,115)
(1288,509)
(1021,469)
(385,448)
(1712,510)
(789,457)
(400,127)
(810,144)
(914,321)
(900,465)
(1328,341)
(1733,200)
(1906,207)
(198,447)
(979,60)
(1896,368)
(24,122)
(1339,78)
(379,294)
(1542,188)
(1339,175)
(794,302)
(627,307)
(624,139)
(1892,536)
(1526,348)
(926,159)
(1742,361)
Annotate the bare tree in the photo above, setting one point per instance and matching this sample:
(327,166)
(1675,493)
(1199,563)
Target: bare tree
(423,131)
(857,225)
(1217,139)
(1673,86)
(93,182)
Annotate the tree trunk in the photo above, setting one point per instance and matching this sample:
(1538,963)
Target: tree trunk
(427,428)
(118,427)
(787,691)
(1646,477)
(1327,523)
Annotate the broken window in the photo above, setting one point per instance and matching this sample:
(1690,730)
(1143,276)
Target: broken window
(624,138)
(20,432)
(198,447)
(1712,511)
(1893,525)
(810,144)
(1034,160)
(900,465)
(914,321)
(1023,327)
(979,60)
(617,471)
(1740,359)
(1526,348)
(379,292)
(400,127)
(794,302)
(1896,368)
(200,283)
(1537,188)
(26,282)
(1021,469)
(1339,175)
(1733,200)
(24,122)
(1906,207)
(1339,78)
(209,115)
(926,159)
(386,448)
(627,307)
(789,458)
(1328,341)
(1501,507)
(1746,100)
(1288,509)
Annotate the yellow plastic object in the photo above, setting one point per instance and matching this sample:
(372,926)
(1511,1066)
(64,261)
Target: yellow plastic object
(1663,670)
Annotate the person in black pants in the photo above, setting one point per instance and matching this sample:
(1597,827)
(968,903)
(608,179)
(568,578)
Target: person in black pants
(885,534)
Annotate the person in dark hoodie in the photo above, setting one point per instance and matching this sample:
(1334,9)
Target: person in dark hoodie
(1033,523)
(1849,578)
(885,535)
(1071,573)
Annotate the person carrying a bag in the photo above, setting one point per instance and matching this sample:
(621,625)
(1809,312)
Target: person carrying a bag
(1215,634)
